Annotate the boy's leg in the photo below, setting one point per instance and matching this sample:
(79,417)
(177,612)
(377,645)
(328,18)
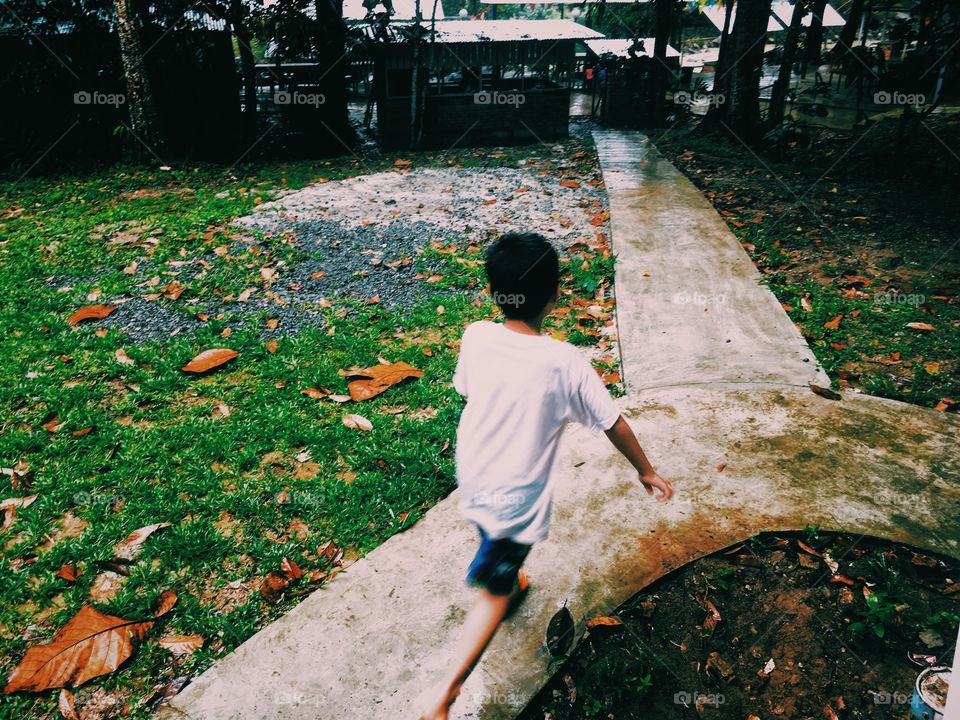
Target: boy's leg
(497,570)
(479,627)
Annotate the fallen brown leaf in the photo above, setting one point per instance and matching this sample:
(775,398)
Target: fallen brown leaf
(121,355)
(209,359)
(91,644)
(605,621)
(273,586)
(357,422)
(825,392)
(91,312)
(66,705)
(180,645)
(70,573)
(370,382)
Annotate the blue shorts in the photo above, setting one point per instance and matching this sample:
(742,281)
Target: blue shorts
(496,564)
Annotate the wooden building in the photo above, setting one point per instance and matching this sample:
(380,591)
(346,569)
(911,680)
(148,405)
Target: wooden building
(493,82)
(622,79)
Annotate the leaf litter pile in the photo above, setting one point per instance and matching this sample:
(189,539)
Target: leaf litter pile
(860,245)
(812,625)
(208,417)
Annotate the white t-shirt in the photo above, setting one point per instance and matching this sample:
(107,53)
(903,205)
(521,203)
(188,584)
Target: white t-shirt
(521,391)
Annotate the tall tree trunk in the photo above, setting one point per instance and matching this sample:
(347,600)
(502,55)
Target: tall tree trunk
(331,44)
(849,31)
(415,114)
(813,42)
(663,18)
(778,93)
(749,36)
(865,24)
(248,70)
(140,100)
(721,82)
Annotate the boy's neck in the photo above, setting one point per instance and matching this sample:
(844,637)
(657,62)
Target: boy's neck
(524,327)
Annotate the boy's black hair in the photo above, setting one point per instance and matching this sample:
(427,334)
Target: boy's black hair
(523,271)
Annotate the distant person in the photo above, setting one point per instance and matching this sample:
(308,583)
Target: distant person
(522,388)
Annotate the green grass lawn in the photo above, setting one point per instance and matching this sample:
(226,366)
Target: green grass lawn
(246,468)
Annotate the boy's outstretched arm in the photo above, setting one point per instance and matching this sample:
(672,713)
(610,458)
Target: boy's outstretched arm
(623,439)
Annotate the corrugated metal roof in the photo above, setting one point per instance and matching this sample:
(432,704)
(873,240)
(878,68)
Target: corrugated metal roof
(715,14)
(620,47)
(451,32)
(473,31)
(784,13)
(557,2)
(402,9)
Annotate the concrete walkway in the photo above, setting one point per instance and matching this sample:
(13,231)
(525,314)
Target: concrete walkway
(716,373)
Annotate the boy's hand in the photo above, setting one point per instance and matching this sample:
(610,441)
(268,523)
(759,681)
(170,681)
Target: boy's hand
(652,480)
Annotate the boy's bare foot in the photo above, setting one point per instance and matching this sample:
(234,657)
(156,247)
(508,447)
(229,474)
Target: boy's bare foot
(435,703)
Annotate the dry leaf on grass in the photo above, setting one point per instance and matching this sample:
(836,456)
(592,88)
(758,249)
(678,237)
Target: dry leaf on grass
(91,312)
(123,358)
(70,573)
(357,422)
(209,359)
(108,582)
(91,644)
(66,705)
(180,645)
(8,508)
(370,382)
(833,324)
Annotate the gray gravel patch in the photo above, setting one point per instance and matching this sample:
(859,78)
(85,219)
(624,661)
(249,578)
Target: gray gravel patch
(349,233)
(143,321)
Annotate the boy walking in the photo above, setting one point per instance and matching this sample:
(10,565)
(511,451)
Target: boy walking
(522,388)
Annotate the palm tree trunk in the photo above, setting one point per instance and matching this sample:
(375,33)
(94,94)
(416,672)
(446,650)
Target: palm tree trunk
(331,44)
(778,94)
(721,83)
(849,31)
(663,19)
(749,36)
(248,70)
(140,100)
(813,41)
